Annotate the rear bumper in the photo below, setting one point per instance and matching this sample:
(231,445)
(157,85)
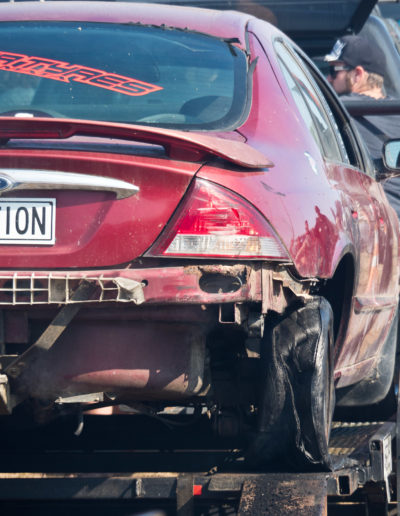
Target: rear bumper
(182,284)
(160,350)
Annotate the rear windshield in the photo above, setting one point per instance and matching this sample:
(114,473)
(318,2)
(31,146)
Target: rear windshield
(121,73)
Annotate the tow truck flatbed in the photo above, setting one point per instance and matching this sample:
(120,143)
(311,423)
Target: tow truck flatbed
(363,451)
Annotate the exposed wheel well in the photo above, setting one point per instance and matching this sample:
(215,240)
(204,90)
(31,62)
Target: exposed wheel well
(338,291)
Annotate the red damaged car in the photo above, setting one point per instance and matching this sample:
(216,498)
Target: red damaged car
(188,220)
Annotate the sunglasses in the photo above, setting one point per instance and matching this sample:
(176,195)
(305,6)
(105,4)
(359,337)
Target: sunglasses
(334,70)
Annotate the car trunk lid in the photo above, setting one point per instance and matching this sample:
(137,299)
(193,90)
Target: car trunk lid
(78,207)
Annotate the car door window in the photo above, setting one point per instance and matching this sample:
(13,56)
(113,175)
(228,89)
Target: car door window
(348,142)
(302,106)
(308,100)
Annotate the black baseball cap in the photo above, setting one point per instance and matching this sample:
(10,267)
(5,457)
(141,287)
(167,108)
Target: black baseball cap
(358,51)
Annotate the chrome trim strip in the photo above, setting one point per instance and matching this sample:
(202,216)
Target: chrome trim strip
(31,179)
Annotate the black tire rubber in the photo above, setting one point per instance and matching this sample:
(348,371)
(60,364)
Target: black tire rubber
(296,408)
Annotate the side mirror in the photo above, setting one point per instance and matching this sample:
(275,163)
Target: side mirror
(391,156)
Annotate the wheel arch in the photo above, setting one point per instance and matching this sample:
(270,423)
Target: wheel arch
(338,291)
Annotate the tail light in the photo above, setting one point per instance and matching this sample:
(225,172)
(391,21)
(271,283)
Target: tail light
(215,222)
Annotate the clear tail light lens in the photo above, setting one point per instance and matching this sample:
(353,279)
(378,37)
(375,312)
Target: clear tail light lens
(214,222)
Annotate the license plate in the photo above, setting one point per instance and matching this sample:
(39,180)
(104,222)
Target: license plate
(27,221)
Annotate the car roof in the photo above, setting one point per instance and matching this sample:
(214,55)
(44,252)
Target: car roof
(313,24)
(222,24)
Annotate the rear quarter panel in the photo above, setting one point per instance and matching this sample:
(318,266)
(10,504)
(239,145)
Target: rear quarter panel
(321,213)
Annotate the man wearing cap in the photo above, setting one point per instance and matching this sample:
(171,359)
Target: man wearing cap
(356,71)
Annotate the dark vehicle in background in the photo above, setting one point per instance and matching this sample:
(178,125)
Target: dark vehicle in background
(383,30)
(389,10)
(189,224)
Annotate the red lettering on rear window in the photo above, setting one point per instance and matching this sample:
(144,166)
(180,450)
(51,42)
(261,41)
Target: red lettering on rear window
(66,72)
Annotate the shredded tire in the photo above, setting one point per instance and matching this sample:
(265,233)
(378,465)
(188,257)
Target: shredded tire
(297,401)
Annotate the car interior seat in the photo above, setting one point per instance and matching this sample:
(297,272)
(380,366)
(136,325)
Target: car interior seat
(208,108)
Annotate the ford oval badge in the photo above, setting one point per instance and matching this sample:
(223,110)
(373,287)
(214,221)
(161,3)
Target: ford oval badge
(5,184)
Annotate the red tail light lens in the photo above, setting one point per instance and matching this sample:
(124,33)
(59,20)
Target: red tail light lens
(215,222)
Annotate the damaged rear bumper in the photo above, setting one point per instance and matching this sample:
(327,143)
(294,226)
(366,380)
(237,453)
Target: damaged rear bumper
(193,284)
(156,351)
(207,284)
